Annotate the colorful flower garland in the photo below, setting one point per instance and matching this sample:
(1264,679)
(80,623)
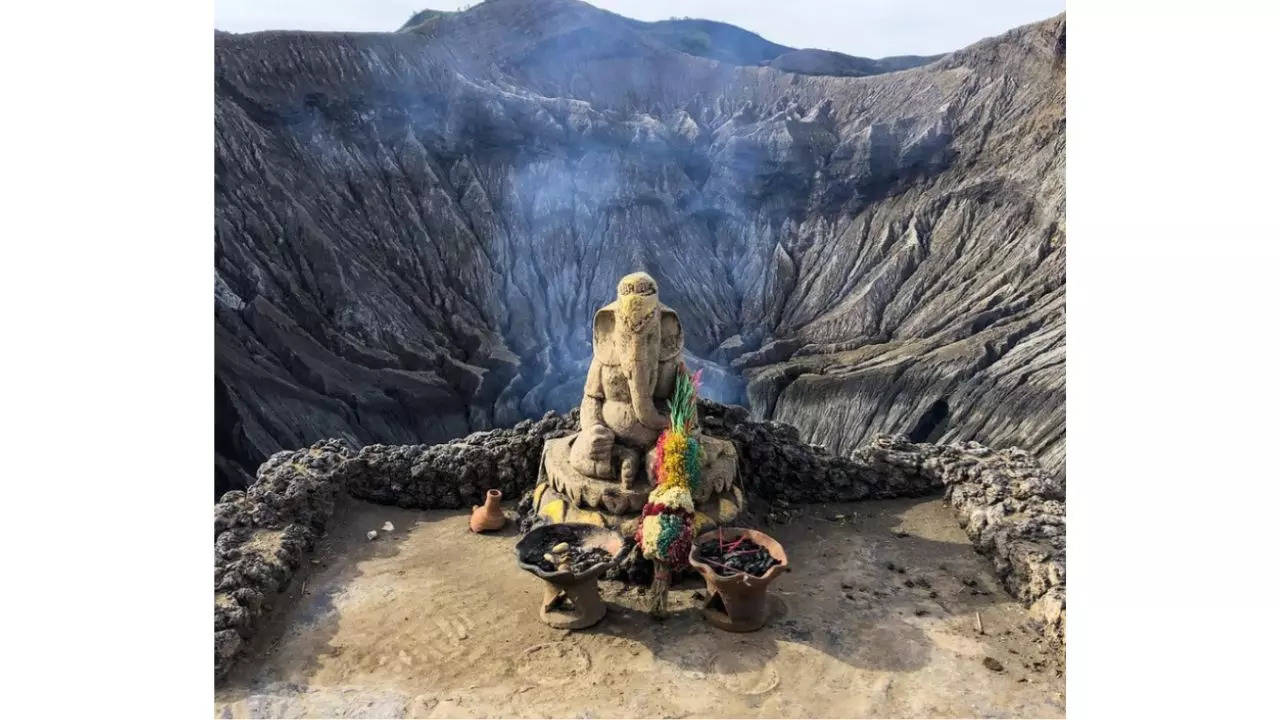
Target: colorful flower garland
(665,534)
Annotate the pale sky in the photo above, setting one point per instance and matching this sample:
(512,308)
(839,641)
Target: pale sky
(869,28)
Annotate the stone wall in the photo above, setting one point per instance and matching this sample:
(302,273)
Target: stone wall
(261,536)
(1012,508)
(456,474)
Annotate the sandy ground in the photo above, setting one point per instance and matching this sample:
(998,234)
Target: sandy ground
(432,621)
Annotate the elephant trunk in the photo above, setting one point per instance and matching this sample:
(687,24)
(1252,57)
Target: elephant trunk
(641,361)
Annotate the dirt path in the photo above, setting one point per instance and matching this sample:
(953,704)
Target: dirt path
(432,621)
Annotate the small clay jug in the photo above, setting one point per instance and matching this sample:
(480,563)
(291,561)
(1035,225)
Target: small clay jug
(489,515)
(737,603)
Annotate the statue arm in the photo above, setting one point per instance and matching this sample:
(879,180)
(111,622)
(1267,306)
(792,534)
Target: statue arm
(592,450)
(592,397)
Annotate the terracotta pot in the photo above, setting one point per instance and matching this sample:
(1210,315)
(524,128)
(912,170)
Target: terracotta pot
(489,515)
(738,602)
(570,601)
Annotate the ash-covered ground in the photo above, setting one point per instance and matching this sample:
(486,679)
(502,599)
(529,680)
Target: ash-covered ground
(877,619)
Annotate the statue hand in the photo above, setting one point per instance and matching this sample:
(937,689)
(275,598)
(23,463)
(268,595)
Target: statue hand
(600,439)
(627,467)
(591,452)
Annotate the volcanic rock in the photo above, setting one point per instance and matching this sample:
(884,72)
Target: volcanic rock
(412,228)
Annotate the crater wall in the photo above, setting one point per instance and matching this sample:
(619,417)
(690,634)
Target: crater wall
(413,229)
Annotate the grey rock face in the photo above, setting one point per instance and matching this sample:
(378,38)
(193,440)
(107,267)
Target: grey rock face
(413,228)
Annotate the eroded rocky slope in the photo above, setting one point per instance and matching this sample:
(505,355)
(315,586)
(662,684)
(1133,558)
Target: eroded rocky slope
(413,228)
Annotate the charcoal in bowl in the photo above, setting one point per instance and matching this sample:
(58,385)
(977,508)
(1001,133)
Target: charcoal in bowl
(580,559)
(746,557)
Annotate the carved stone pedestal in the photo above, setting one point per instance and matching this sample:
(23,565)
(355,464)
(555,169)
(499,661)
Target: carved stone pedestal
(565,495)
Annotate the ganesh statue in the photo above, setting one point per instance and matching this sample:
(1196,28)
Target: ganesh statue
(603,474)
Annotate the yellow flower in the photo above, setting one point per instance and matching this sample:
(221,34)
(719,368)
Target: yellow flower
(673,497)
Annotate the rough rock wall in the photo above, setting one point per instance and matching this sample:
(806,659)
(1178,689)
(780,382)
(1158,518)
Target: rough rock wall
(261,536)
(1013,510)
(412,230)
(456,474)
(1014,513)
(774,464)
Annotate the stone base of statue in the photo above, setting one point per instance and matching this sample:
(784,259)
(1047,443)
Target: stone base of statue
(565,495)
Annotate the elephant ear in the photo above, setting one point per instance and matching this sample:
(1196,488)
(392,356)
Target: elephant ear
(672,334)
(602,336)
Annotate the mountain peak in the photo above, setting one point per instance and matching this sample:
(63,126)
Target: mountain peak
(525,21)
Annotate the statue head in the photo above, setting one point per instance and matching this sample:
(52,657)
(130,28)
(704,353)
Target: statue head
(637,301)
(637,283)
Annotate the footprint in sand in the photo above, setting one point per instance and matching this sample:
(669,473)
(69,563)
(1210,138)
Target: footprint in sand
(745,669)
(553,663)
(449,632)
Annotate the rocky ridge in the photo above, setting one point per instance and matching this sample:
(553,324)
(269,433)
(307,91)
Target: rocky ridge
(412,229)
(729,44)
